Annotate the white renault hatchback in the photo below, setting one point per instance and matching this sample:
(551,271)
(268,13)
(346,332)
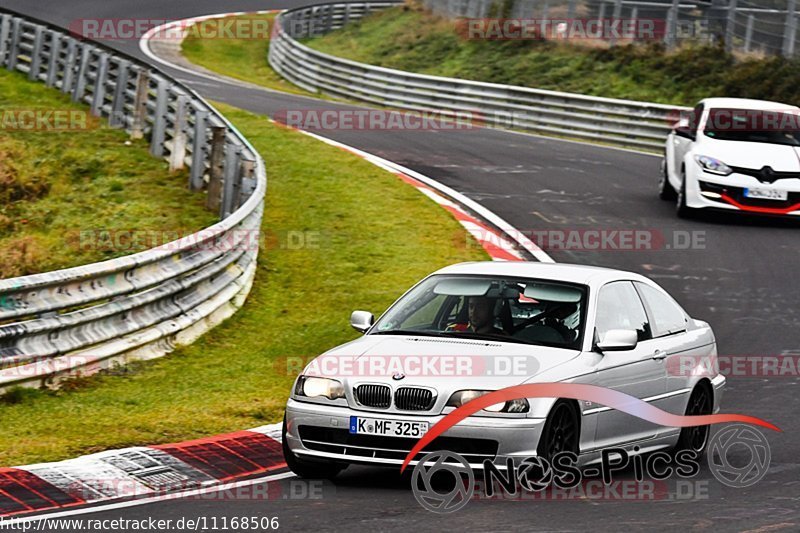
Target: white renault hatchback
(734,154)
(472,328)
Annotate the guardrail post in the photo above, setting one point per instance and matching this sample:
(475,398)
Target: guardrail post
(214,194)
(730,27)
(672,23)
(328,20)
(178,153)
(748,36)
(601,14)
(117,118)
(790,29)
(52,63)
(159,120)
(248,183)
(232,179)
(140,104)
(69,66)
(36,53)
(80,83)
(5,29)
(198,150)
(571,6)
(13,49)
(615,16)
(346,15)
(99,92)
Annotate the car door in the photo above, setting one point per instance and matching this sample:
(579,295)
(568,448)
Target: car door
(638,372)
(668,325)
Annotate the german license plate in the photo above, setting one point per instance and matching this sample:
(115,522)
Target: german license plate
(388,428)
(766,194)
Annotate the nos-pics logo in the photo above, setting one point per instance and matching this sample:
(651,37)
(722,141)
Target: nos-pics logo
(444,482)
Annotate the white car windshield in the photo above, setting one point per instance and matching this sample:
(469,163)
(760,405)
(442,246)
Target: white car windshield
(527,311)
(762,126)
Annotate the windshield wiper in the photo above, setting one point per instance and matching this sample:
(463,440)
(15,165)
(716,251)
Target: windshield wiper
(491,337)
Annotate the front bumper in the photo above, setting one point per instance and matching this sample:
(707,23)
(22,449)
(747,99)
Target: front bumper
(476,439)
(726,193)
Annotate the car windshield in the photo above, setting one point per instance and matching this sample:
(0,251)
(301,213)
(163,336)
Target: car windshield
(761,126)
(529,311)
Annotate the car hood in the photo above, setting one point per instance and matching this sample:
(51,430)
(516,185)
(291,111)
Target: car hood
(752,155)
(444,364)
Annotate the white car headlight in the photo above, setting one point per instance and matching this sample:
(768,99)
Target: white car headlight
(461,397)
(714,166)
(314,387)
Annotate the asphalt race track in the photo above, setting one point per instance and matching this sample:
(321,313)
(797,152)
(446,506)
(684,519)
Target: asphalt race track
(743,280)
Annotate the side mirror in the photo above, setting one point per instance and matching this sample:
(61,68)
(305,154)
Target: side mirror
(617,340)
(684,129)
(362,320)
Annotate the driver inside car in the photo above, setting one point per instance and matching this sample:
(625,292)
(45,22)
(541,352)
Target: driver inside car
(481,317)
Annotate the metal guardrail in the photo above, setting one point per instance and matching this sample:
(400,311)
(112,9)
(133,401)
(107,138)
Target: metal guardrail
(79,320)
(607,120)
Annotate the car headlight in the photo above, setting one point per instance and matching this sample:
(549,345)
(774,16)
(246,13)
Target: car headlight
(314,387)
(714,166)
(465,396)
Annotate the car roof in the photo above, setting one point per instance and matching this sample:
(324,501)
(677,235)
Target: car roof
(582,274)
(746,103)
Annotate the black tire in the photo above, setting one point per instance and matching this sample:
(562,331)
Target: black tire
(317,469)
(665,190)
(695,438)
(683,210)
(561,431)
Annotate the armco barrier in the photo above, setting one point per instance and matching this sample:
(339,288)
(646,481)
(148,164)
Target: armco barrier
(607,120)
(79,320)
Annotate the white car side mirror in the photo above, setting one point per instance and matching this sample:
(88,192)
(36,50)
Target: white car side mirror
(362,320)
(617,340)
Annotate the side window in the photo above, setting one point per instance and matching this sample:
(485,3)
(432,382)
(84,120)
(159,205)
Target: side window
(666,315)
(619,307)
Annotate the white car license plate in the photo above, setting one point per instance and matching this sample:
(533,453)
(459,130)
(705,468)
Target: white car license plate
(766,194)
(388,428)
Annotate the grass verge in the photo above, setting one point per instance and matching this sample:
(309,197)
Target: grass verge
(79,178)
(409,38)
(343,235)
(241,59)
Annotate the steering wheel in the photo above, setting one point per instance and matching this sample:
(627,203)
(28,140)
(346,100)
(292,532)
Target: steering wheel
(534,319)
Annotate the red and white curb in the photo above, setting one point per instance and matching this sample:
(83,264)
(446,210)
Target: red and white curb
(143,471)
